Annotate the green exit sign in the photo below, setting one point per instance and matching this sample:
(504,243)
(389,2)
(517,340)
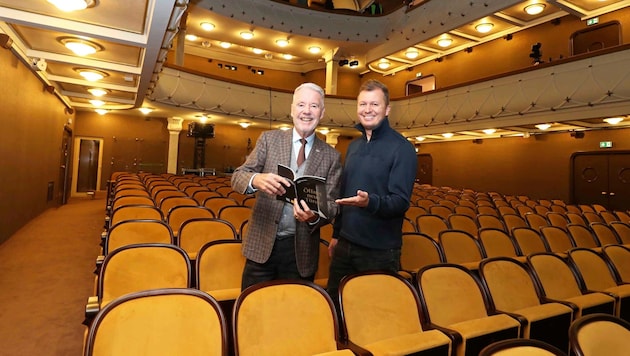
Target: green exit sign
(605,144)
(593,21)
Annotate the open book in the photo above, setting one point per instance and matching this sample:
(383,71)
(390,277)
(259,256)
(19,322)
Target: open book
(311,189)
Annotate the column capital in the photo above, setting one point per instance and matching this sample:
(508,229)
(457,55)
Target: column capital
(174,124)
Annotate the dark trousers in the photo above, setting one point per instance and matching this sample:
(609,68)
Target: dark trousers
(349,258)
(280,265)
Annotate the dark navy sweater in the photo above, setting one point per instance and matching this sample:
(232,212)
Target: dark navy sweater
(384,167)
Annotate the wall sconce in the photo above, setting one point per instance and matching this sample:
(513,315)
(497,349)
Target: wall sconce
(244,124)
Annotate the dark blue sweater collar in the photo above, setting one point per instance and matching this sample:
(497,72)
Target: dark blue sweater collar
(382,126)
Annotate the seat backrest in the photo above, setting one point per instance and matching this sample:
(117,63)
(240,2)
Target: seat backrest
(180,214)
(497,242)
(582,236)
(131,200)
(622,230)
(464,223)
(604,233)
(486,209)
(460,247)
(619,257)
(201,196)
(576,218)
(623,216)
(161,195)
(216,203)
(236,215)
(506,210)
(167,204)
(136,232)
(593,268)
(510,284)
(414,211)
(284,317)
(419,250)
(378,305)
(529,240)
(490,221)
(608,216)
(139,267)
(431,225)
(197,232)
(591,216)
(219,269)
(159,322)
(557,219)
(466,210)
(557,238)
(450,294)
(134,212)
(554,276)
(599,334)
(536,221)
(521,347)
(441,210)
(512,221)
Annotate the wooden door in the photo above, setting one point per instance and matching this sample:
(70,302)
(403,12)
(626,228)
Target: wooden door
(601,178)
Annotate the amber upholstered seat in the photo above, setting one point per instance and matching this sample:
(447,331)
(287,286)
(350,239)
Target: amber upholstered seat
(197,232)
(619,257)
(453,301)
(137,231)
(180,214)
(431,225)
(461,248)
(604,233)
(599,334)
(529,241)
(513,290)
(236,215)
(623,231)
(497,242)
(381,313)
(219,269)
(599,276)
(521,347)
(139,267)
(559,283)
(558,239)
(418,250)
(323,264)
(159,323)
(285,317)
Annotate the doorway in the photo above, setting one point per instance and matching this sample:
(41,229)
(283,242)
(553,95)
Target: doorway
(601,178)
(88,156)
(424,172)
(64,166)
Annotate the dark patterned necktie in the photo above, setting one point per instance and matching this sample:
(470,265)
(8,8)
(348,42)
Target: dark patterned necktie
(301,155)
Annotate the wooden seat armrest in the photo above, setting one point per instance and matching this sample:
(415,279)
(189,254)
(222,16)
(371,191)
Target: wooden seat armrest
(521,319)
(356,349)
(91,309)
(99,263)
(573,306)
(455,336)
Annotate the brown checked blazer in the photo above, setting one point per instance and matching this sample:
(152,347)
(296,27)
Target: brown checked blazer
(272,148)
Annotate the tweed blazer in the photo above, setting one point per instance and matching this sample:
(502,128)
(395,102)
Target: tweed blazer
(274,147)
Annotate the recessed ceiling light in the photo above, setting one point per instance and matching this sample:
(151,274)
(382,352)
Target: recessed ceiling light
(287,56)
(484,27)
(97,103)
(97,91)
(314,49)
(543,126)
(384,64)
(613,120)
(447,135)
(145,110)
(91,75)
(282,42)
(225,44)
(207,26)
(412,53)
(420,138)
(444,42)
(244,124)
(101,111)
(72,5)
(489,131)
(191,37)
(534,9)
(247,35)
(257,50)
(79,46)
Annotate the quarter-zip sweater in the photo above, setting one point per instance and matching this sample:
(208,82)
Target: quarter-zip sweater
(384,167)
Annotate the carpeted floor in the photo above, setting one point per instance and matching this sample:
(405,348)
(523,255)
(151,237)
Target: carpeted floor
(46,276)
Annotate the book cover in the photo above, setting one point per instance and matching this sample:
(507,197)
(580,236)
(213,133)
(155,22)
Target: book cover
(311,189)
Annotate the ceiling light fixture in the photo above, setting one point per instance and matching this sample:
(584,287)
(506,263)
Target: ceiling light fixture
(244,124)
(97,103)
(543,126)
(353,64)
(282,42)
(324,131)
(314,49)
(484,27)
(97,91)
(257,50)
(91,75)
(285,128)
(489,131)
(72,5)
(247,35)
(191,37)
(384,64)
(534,9)
(225,45)
(613,120)
(420,138)
(145,110)
(101,111)
(444,42)
(287,56)
(412,53)
(447,135)
(80,47)
(207,26)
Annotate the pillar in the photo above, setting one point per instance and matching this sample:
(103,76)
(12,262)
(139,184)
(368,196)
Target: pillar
(174,128)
